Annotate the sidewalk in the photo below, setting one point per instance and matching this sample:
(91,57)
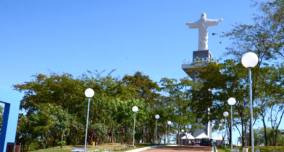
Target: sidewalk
(172,148)
(180,149)
(143,149)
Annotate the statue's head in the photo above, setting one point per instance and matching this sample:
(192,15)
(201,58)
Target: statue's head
(203,16)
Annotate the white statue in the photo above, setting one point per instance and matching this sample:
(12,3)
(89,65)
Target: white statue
(202,26)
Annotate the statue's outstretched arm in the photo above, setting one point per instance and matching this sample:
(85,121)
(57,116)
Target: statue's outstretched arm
(212,22)
(193,25)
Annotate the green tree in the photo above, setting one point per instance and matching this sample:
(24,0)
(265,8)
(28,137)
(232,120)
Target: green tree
(178,102)
(265,37)
(143,88)
(259,139)
(42,96)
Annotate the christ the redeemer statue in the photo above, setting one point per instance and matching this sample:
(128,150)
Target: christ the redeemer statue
(202,24)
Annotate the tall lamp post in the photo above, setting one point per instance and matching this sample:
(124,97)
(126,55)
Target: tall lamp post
(157,117)
(225,114)
(231,101)
(169,123)
(249,60)
(135,110)
(209,127)
(89,93)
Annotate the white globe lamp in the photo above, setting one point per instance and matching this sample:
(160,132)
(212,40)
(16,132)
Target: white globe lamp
(89,93)
(249,60)
(226,114)
(135,109)
(231,101)
(157,116)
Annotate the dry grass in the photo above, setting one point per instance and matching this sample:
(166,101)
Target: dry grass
(103,147)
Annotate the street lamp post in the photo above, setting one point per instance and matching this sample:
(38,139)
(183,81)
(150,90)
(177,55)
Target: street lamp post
(89,93)
(135,110)
(180,137)
(157,117)
(249,60)
(225,114)
(231,101)
(209,126)
(169,123)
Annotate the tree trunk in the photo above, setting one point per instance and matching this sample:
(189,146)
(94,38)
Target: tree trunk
(264,129)
(275,129)
(250,129)
(246,134)
(274,136)
(62,137)
(243,133)
(230,132)
(111,135)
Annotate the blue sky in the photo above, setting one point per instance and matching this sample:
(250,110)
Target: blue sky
(47,36)
(127,35)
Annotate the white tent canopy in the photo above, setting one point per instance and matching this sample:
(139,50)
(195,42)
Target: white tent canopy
(187,136)
(202,136)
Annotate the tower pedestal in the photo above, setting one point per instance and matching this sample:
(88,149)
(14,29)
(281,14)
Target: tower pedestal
(200,60)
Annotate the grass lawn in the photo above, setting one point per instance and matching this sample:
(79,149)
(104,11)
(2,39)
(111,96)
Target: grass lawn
(223,150)
(262,149)
(109,147)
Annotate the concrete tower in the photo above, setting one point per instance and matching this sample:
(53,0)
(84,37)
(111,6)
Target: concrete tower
(201,58)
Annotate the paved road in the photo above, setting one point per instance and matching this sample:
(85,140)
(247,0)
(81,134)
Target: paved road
(182,149)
